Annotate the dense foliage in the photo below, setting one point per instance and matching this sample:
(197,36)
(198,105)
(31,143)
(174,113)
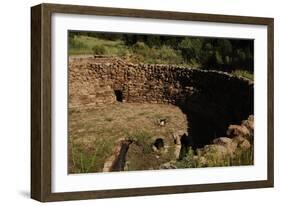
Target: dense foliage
(203,52)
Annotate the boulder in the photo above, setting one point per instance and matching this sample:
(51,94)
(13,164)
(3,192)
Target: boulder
(238,130)
(238,139)
(218,150)
(227,143)
(249,123)
(168,165)
(222,141)
(245,145)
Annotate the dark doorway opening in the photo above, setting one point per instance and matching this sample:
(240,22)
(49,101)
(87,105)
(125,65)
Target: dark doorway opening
(119,95)
(186,144)
(159,143)
(119,163)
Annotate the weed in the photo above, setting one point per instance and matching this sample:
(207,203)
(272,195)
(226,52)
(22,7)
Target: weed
(213,159)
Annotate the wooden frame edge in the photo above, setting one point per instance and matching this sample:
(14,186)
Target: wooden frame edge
(41,101)
(270,100)
(157,14)
(36,32)
(101,194)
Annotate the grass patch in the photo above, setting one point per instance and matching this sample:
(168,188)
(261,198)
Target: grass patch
(85,160)
(138,53)
(243,73)
(143,139)
(93,133)
(91,45)
(194,159)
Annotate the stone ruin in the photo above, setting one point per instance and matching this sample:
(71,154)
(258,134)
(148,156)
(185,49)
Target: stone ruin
(212,100)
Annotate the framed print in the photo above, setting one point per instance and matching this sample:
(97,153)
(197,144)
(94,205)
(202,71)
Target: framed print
(130,102)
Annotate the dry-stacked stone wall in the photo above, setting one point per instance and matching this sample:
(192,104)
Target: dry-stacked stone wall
(93,81)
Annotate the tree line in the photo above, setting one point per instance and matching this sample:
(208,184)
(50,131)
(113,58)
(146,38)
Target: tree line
(208,53)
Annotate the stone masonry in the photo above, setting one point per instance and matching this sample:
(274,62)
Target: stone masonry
(95,81)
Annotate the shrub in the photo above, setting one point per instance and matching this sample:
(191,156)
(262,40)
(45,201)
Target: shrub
(99,50)
(206,53)
(74,43)
(213,159)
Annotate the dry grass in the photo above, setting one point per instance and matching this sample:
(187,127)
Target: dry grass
(93,132)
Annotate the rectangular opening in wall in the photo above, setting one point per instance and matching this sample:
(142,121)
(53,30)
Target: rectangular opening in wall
(119,95)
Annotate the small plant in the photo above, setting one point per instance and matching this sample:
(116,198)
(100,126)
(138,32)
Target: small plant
(99,50)
(242,73)
(74,43)
(85,161)
(213,159)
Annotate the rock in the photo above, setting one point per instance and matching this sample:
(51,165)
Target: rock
(245,145)
(177,151)
(162,122)
(177,139)
(242,142)
(154,149)
(222,141)
(219,150)
(249,123)
(238,139)
(177,136)
(168,165)
(238,130)
(127,166)
(227,143)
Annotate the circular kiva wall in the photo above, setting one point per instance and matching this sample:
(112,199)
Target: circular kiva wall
(211,100)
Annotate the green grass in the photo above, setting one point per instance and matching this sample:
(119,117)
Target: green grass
(90,45)
(193,159)
(138,53)
(84,160)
